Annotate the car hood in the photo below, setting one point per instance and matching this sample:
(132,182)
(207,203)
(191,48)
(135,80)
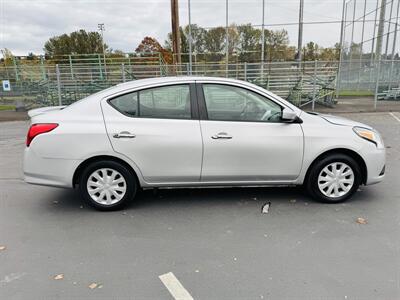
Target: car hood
(336,120)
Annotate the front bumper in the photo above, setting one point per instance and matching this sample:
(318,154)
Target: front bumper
(375,161)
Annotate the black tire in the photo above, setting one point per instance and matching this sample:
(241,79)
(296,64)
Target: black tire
(311,183)
(130,187)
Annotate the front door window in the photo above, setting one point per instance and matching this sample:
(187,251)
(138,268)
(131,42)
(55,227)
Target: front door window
(230,103)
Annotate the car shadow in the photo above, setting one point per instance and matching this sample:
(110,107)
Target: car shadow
(70,200)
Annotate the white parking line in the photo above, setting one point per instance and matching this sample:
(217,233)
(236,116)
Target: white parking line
(394,116)
(175,287)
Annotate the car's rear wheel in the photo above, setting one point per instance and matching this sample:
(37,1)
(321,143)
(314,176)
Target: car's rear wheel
(107,185)
(334,178)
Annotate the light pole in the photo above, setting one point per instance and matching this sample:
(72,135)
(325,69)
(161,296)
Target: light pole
(300,35)
(190,40)
(102,28)
(262,39)
(227,38)
(341,53)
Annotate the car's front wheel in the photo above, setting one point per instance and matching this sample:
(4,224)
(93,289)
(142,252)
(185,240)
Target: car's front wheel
(107,185)
(334,178)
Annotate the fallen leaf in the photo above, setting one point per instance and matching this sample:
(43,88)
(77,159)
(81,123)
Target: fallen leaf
(59,277)
(93,285)
(2,248)
(265,208)
(361,221)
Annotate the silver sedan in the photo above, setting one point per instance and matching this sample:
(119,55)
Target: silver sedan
(196,131)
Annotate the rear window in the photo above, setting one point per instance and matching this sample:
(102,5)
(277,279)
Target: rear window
(170,102)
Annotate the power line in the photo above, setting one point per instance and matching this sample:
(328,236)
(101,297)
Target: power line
(304,23)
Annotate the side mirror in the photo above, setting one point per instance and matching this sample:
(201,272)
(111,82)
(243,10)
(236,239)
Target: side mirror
(290,116)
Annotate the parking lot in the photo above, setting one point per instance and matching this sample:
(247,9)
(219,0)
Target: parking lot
(217,242)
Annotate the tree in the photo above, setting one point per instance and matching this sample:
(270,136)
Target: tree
(183,43)
(198,37)
(328,54)
(233,39)
(147,45)
(311,51)
(119,53)
(151,45)
(78,42)
(214,43)
(7,56)
(31,56)
(278,45)
(249,44)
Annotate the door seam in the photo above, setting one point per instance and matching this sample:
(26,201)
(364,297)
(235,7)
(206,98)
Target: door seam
(202,152)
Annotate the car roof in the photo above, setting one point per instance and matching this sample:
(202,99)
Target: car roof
(148,82)
(166,79)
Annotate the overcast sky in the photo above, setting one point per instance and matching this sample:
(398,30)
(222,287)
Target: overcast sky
(26,25)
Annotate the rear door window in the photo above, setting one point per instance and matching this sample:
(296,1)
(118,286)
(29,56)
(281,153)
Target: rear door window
(167,102)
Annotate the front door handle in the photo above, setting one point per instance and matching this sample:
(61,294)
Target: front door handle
(124,135)
(221,135)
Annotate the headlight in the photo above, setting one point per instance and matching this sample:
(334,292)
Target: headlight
(369,135)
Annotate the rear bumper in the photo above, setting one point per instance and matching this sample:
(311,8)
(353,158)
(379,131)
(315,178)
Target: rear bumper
(48,171)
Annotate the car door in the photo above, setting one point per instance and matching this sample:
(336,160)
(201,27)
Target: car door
(244,138)
(158,129)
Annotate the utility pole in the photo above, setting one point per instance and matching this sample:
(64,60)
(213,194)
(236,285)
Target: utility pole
(190,40)
(102,28)
(176,38)
(300,36)
(262,38)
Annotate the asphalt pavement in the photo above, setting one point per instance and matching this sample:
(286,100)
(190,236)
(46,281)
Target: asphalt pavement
(204,243)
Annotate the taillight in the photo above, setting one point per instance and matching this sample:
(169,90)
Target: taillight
(37,129)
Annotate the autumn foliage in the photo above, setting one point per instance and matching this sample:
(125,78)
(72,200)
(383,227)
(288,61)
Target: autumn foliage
(149,45)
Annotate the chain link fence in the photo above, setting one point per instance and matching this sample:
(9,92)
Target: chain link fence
(63,81)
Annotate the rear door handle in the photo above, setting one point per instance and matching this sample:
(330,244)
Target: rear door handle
(221,135)
(124,135)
